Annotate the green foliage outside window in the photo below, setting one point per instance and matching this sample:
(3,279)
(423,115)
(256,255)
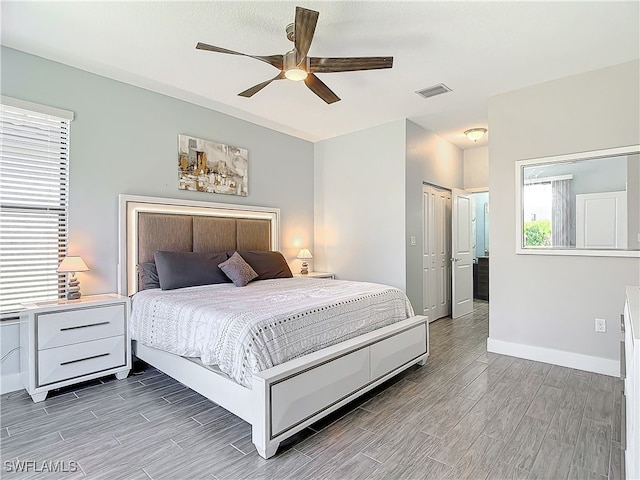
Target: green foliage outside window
(537,233)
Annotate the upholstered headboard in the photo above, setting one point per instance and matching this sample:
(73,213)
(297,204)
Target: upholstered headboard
(148,224)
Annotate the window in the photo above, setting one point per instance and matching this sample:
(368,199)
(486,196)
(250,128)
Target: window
(34,165)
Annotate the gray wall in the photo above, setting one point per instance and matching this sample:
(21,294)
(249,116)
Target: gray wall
(430,159)
(360,205)
(124,140)
(476,169)
(551,301)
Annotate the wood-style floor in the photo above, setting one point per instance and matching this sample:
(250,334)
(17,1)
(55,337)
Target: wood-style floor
(466,414)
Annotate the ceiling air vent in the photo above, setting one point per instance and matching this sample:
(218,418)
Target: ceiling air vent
(433,91)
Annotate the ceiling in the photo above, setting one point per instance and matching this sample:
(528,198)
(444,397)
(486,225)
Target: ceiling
(478,49)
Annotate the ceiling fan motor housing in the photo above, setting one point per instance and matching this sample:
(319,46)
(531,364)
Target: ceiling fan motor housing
(289,62)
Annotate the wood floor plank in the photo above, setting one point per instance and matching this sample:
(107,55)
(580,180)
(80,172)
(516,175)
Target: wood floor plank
(522,446)
(457,442)
(503,471)
(545,403)
(506,420)
(479,459)
(552,461)
(423,468)
(444,416)
(469,374)
(599,405)
(578,473)
(557,376)
(565,424)
(593,446)
(396,443)
(616,468)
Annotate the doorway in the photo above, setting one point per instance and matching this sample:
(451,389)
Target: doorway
(454,237)
(480,227)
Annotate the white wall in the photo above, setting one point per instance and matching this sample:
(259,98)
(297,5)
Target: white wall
(124,140)
(476,169)
(433,160)
(360,205)
(544,307)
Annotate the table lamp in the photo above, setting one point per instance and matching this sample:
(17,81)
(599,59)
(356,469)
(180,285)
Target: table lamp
(305,255)
(72,265)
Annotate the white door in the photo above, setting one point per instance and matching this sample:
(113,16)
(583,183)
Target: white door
(441,253)
(428,262)
(462,258)
(436,254)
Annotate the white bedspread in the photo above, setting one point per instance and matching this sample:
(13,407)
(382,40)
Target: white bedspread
(268,322)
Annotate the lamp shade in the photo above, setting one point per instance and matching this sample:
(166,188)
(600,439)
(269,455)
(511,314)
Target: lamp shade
(72,264)
(475,134)
(304,254)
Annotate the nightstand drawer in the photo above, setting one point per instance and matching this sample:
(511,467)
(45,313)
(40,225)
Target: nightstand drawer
(63,363)
(80,325)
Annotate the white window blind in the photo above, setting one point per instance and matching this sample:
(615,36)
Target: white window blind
(34,165)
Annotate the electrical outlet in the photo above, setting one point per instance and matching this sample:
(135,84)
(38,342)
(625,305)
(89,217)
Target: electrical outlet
(601,325)
(412,240)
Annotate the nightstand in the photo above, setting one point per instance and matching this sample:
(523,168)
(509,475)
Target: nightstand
(316,275)
(70,341)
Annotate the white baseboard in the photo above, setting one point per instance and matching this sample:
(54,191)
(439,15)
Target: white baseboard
(578,361)
(10,383)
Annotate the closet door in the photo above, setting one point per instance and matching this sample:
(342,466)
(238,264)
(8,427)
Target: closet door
(428,260)
(436,252)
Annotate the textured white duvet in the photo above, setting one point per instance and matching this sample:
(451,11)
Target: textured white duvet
(249,329)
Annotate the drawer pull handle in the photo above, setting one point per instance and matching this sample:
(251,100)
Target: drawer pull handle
(84,326)
(87,358)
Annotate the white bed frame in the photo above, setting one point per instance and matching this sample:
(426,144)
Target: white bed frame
(289,397)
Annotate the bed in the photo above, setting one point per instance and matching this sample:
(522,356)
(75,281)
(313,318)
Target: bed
(282,397)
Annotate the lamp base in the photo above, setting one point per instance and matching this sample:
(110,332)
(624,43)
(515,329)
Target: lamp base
(305,268)
(73,289)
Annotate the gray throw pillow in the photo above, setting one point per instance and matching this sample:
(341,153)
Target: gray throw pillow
(148,276)
(239,271)
(267,265)
(189,269)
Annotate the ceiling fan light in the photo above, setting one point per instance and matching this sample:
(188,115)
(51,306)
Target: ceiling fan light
(295,74)
(475,134)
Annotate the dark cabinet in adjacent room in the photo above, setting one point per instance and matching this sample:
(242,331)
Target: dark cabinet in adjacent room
(481,278)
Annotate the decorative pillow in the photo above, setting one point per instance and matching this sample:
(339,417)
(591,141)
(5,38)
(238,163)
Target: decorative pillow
(267,264)
(189,269)
(239,271)
(148,276)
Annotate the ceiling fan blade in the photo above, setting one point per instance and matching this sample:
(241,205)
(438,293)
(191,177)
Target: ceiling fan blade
(348,64)
(275,60)
(249,92)
(305,27)
(318,87)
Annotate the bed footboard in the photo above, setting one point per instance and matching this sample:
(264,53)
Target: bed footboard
(300,392)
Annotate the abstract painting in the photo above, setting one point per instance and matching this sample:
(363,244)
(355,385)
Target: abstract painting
(212,167)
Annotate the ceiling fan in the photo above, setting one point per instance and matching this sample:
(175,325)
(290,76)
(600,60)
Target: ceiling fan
(296,65)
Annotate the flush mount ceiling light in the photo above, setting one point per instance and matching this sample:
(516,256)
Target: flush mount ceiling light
(475,134)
